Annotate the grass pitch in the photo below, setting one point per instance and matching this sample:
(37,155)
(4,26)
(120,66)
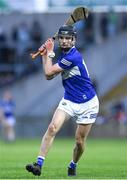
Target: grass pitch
(103,159)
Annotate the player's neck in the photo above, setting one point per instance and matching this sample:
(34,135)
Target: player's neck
(67,50)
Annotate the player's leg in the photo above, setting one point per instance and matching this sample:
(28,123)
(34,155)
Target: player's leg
(85,118)
(5,129)
(57,121)
(80,138)
(10,128)
(3,124)
(11,133)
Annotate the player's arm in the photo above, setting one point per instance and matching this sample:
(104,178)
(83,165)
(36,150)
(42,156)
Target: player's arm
(50,70)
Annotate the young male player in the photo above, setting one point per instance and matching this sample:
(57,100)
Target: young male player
(79,100)
(7,116)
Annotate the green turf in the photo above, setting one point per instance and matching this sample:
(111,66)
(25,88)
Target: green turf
(103,159)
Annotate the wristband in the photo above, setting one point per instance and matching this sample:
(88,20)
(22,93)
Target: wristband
(51,54)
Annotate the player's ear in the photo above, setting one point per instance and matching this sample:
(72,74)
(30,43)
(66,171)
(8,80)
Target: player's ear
(73,40)
(58,41)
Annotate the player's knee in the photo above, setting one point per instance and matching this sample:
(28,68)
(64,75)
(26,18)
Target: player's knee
(52,129)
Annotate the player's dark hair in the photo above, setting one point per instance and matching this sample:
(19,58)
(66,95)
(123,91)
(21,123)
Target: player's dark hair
(67,30)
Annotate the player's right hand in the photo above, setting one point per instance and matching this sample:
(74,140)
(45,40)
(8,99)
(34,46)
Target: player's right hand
(49,44)
(47,47)
(43,50)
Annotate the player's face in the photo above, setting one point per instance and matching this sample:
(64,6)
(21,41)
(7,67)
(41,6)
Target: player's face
(66,41)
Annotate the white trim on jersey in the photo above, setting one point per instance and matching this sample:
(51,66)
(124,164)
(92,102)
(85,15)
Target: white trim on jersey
(71,72)
(66,62)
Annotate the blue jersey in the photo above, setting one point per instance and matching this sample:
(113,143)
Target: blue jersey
(75,77)
(8,108)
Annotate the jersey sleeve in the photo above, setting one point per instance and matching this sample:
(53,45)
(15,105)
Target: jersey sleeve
(65,63)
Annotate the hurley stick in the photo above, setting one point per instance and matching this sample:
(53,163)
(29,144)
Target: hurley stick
(80,13)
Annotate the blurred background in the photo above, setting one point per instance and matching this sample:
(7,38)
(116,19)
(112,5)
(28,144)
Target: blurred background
(102,39)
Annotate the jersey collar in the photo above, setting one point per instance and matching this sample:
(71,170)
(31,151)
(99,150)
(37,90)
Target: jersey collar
(69,50)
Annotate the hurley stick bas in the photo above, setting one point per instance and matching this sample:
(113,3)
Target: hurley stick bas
(80,13)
